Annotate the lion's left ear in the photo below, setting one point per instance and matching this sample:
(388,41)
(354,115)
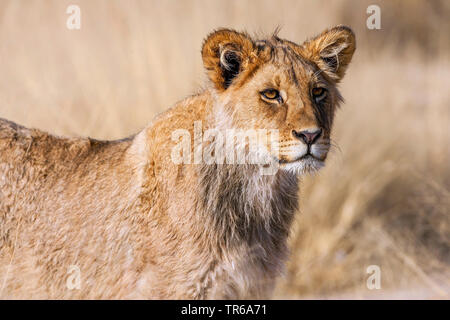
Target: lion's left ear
(332,51)
(227,54)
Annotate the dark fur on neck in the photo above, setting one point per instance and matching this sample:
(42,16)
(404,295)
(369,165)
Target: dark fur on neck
(245,207)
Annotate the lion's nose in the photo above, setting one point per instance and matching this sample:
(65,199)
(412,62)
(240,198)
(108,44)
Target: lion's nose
(308,136)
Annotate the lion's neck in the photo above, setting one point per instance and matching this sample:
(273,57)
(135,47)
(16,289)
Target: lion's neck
(246,217)
(244,206)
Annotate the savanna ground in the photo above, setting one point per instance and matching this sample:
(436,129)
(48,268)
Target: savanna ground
(384,197)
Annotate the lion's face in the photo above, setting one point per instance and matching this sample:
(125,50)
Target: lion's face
(278,85)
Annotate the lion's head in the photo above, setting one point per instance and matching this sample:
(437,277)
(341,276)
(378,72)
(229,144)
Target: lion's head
(276,84)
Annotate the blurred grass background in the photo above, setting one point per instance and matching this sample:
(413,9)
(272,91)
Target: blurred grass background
(383,198)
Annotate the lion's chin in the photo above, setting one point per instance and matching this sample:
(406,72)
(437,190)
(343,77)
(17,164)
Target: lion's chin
(302,166)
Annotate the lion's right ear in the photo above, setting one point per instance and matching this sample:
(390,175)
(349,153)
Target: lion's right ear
(226,54)
(332,50)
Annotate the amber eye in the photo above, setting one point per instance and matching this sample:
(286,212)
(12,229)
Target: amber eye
(271,94)
(319,93)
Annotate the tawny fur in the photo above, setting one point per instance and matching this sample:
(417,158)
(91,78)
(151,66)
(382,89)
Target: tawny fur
(136,224)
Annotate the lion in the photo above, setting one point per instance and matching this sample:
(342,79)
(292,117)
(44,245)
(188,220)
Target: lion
(87,219)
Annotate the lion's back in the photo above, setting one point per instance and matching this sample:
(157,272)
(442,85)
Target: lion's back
(33,159)
(56,192)
(21,145)
(31,162)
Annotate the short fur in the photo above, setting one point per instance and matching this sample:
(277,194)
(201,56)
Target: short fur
(136,224)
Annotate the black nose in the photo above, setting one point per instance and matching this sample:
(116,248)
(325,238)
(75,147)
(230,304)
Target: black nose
(309,137)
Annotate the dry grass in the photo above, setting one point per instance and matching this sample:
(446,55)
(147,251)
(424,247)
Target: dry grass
(384,197)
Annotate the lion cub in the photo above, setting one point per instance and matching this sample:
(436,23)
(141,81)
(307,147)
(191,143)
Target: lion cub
(172,212)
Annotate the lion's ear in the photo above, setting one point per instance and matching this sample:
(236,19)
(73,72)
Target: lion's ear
(332,50)
(226,54)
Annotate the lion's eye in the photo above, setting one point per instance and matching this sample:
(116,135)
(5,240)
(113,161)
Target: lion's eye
(319,93)
(271,94)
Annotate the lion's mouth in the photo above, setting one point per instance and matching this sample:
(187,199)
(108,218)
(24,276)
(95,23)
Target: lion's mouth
(307,163)
(306,156)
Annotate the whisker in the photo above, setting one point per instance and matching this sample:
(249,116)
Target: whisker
(287,143)
(335,146)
